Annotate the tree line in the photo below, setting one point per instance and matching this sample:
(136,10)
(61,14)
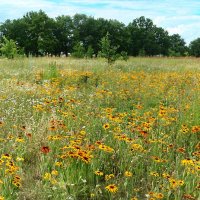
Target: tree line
(81,35)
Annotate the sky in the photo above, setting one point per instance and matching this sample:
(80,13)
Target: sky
(176,16)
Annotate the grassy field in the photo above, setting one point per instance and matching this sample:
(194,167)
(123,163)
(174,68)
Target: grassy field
(78,129)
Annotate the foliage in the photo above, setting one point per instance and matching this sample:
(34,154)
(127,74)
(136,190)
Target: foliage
(8,48)
(107,50)
(177,46)
(90,52)
(38,34)
(142,52)
(78,50)
(51,72)
(195,47)
(124,55)
(146,37)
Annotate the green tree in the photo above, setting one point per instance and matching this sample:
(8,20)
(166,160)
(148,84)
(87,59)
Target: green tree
(177,46)
(144,36)
(64,34)
(8,48)
(90,52)
(107,50)
(124,55)
(78,50)
(15,30)
(195,47)
(40,36)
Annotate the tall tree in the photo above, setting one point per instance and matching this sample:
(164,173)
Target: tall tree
(145,36)
(64,34)
(177,45)
(15,30)
(195,47)
(40,33)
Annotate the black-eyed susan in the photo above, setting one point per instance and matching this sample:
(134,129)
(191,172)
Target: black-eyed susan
(58,164)
(128,174)
(158,195)
(106,126)
(98,173)
(19,139)
(154,174)
(134,198)
(47,176)
(54,172)
(106,148)
(112,188)
(109,176)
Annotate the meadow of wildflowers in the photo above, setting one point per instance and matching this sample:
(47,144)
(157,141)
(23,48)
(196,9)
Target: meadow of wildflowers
(77,129)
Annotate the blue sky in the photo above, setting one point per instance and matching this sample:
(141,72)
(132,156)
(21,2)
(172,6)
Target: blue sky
(177,16)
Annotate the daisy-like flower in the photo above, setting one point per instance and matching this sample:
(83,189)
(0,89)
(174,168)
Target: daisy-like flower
(58,164)
(98,173)
(112,188)
(128,174)
(106,126)
(109,176)
(54,172)
(45,149)
(159,196)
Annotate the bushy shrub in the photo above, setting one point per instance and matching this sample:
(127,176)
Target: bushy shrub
(78,50)
(8,48)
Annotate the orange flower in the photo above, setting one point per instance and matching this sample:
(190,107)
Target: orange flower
(45,149)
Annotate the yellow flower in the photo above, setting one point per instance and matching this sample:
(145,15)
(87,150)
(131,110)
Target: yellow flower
(19,139)
(92,195)
(19,159)
(16,183)
(58,164)
(112,188)
(54,172)
(106,126)
(180,182)
(98,173)
(137,147)
(82,132)
(159,195)
(6,157)
(47,176)
(54,181)
(106,148)
(187,162)
(154,174)
(166,175)
(108,177)
(1,198)
(128,174)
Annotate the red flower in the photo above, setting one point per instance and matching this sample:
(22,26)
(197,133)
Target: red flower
(29,135)
(45,149)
